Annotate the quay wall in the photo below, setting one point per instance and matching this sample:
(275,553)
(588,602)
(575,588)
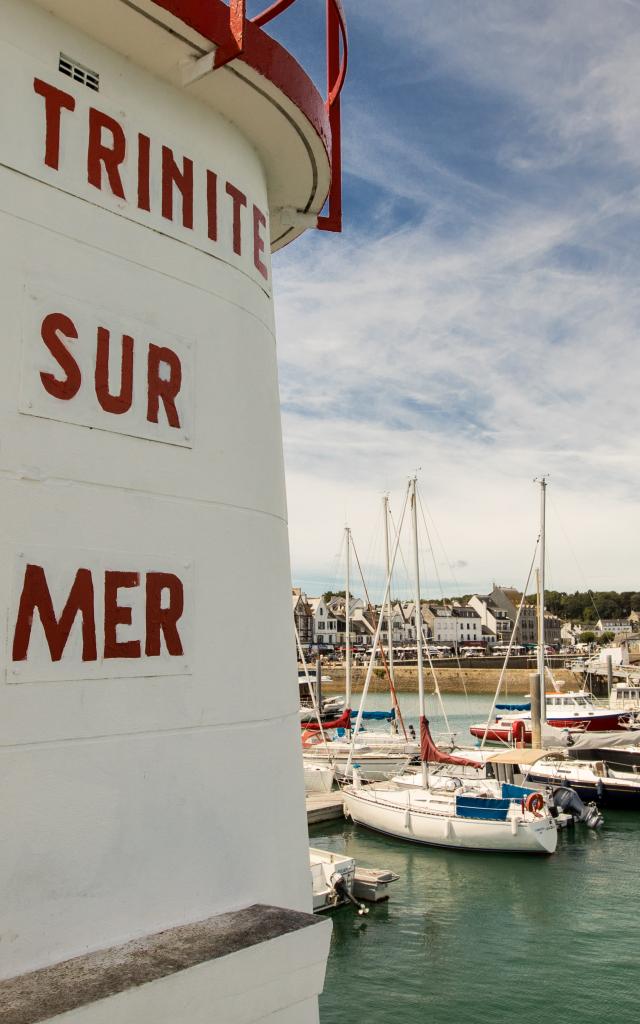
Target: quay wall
(450,679)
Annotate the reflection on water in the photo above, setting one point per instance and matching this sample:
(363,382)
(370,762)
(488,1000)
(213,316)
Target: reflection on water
(480,938)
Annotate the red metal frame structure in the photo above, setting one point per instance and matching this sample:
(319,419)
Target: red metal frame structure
(337,56)
(237,36)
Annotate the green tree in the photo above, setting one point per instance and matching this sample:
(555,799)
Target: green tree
(606,637)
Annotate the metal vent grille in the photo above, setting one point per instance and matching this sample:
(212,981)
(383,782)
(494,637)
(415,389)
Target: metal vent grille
(79,73)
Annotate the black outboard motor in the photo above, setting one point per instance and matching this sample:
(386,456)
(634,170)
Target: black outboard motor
(564,799)
(341,889)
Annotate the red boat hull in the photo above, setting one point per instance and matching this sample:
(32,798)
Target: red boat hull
(602,723)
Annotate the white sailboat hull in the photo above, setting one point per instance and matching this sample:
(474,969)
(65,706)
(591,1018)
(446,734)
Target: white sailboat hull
(372,766)
(399,813)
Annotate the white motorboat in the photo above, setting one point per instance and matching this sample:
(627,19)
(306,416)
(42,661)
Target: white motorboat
(625,695)
(592,780)
(332,878)
(572,710)
(329,709)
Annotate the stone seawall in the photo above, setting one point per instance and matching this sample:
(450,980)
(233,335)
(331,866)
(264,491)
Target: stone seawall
(450,680)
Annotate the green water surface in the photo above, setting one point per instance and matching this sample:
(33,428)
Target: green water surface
(472,938)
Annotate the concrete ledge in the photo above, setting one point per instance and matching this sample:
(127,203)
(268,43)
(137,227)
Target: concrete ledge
(72,984)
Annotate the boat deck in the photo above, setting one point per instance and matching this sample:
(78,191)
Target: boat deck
(324,807)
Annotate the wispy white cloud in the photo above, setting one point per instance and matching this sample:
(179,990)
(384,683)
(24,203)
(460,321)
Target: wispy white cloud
(491,336)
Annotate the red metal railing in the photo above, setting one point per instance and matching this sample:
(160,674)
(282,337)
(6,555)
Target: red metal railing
(337,56)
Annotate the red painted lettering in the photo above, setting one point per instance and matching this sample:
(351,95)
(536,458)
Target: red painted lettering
(163,388)
(118,615)
(161,619)
(36,597)
(212,206)
(259,221)
(53,326)
(239,200)
(55,101)
(144,172)
(100,155)
(121,402)
(183,180)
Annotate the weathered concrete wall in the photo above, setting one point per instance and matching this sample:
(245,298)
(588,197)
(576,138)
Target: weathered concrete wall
(450,680)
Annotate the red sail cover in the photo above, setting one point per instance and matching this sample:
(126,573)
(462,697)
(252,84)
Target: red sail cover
(430,752)
(343,722)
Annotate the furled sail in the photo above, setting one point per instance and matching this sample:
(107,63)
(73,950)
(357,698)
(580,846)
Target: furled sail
(430,752)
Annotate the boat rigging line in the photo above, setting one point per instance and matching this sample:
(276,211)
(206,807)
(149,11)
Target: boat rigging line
(392,688)
(511,639)
(376,641)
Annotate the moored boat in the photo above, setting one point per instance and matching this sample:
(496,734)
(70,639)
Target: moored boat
(463,819)
(455,813)
(374,763)
(592,780)
(572,710)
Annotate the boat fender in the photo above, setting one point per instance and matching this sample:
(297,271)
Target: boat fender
(599,789)
(534,803)
(518,733)
(407,818)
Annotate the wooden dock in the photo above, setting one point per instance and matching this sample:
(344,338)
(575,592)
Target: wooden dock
(324,807)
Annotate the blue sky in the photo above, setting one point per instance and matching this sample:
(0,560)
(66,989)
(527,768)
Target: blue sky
(478,317)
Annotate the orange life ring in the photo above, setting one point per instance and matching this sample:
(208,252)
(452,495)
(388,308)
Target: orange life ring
(534,803)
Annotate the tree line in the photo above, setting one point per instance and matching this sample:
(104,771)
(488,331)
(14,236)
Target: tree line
(582,606)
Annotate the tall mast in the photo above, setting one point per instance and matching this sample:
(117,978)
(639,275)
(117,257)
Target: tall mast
(541,645)
(347,623)
(385,505)
(418,614)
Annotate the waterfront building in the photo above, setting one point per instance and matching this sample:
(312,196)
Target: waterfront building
(152,156)
(454,624)
(493,618)
(508,599)
(499,609)
(302,616)
(616,626)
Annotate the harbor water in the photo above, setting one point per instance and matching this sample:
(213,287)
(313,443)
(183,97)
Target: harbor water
(488,938)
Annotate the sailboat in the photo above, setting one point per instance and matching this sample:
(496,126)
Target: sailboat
(570,710)
(377,756)
(460,814)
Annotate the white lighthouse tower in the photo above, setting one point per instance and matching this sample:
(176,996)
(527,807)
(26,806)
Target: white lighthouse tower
(153,860)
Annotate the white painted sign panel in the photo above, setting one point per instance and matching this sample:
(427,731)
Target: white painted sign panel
(87,614)
(98,368)
(123,160)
